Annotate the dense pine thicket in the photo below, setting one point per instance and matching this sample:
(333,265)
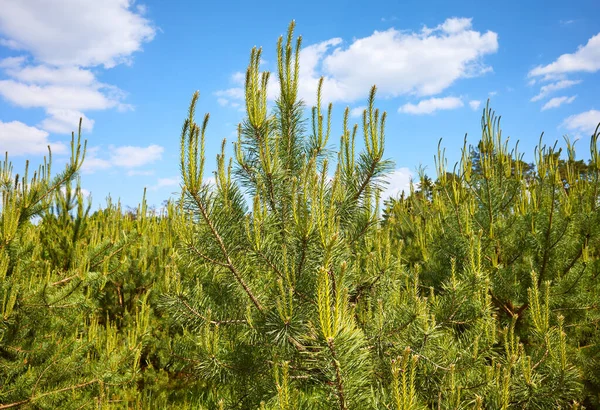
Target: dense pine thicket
(480,289)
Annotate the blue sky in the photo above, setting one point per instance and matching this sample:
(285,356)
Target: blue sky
(130,68)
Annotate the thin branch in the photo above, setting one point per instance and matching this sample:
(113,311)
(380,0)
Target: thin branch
(221,244)
(338,376)
(22,402)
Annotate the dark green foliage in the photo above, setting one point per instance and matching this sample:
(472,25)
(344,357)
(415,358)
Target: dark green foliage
(283,285)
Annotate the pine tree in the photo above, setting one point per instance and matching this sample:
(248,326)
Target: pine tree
(465,306)
(536,229)
(60,346)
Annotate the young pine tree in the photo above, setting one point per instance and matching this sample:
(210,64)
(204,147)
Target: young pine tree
(462,299)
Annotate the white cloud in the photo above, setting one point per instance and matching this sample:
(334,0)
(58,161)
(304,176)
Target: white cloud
(92,162)
(63,92)
(12,62)
(128,157)
(20,139)
(42,74)
(64,121)
(235,93)
(398,181)
(312,67)
(210,180)
(550,88)
(358,111)
(133,157)
(231,97)
(75,32)
(431,105)
(558,101)
(492,93)
(399,62)
(474,104)
(583,123)
(456,25)
(10,44)
(64,39)
(238,78)
(585,59)
(56,96)
(166,182)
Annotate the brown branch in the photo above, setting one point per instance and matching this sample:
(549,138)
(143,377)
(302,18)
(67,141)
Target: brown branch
(20,403)
(367,179)
(212,322)
(338,376)
(94,265)
(205,257)
(230,266)
(302,257)
(282,276)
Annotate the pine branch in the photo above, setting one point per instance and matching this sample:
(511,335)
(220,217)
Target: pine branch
(221,244)
(33,399)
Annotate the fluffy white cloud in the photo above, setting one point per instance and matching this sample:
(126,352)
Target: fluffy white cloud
(431,105)
(12,62)
(547,89)
(238,78)
(55,96)
(133,157)
(20,139)
(75,32)
(231,97)
(128,157)
(558,101)
(399,62)
(42,74)
(474,104)
(10,44)
(66,38)
(166,182)
(235,93)
(586,59)
(358,111)
(63,103)
(93,162)
(398,181)
(312,67)
(455,25)
(583,123)
(64,121)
